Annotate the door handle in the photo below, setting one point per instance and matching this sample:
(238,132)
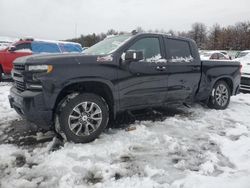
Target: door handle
(160,68)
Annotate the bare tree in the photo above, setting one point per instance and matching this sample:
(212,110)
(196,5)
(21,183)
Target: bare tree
(213,37)
(199,34)
(233,37)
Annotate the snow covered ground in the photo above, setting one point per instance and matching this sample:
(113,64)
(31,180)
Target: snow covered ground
(196,148)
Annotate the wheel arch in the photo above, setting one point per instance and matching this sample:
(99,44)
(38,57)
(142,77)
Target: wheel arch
(101,87)
(226,79)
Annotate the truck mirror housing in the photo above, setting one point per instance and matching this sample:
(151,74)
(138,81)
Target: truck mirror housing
(132,55)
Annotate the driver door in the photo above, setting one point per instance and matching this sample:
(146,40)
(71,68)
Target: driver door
(144,82)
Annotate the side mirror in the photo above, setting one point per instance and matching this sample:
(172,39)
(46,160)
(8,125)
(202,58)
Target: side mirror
(12,49)
(132,55)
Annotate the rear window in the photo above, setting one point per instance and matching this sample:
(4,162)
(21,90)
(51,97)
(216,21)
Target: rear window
(45,47)
(177,49)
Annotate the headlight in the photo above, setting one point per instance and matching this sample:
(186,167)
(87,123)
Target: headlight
(41,68)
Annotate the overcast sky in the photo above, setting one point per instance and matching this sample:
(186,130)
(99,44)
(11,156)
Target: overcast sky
(63,19)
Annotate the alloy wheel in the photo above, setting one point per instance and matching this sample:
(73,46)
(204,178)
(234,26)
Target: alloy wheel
(221,95)
(85,118)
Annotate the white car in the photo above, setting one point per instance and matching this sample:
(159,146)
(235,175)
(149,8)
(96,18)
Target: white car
(242,54)
(214,55)
(244,59)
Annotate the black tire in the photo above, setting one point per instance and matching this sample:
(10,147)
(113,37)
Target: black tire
(73,108)
(220,96)
(1,74)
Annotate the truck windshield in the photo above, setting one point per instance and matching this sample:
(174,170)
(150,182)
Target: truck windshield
(108,45)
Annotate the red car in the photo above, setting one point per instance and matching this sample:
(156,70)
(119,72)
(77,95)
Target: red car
(29,47)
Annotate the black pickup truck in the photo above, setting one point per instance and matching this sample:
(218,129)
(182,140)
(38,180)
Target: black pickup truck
(77,94)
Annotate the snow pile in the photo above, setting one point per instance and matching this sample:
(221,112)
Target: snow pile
(197,147)
(6,113)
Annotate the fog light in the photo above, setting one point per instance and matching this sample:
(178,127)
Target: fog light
(33,86)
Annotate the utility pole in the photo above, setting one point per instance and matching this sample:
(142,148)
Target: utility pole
(75,30)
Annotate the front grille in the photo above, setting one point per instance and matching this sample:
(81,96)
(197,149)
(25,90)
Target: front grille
(20,85)
(18,77)
(245,81)
(19,67)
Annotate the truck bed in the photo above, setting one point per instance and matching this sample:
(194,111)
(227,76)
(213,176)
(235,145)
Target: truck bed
(214,70)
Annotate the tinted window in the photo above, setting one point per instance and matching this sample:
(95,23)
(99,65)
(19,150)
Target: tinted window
(23,46)
(150,48)
(177,48)
(44,47)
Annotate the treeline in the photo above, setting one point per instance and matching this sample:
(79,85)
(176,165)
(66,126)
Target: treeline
(233,37)
(91,39)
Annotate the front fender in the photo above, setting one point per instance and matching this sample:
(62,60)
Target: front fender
(59,89)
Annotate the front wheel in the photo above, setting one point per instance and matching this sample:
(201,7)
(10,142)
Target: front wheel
(84,118)
(220,96)
(1,74)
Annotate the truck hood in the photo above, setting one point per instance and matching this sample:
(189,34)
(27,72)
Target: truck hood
(72,58)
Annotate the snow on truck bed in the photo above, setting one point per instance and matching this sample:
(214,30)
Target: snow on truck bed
(197,147)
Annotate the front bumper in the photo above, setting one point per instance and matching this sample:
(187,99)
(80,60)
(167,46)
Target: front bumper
(30,105)
(245,83)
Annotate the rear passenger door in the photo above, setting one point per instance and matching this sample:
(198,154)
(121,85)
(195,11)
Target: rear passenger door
(183,70)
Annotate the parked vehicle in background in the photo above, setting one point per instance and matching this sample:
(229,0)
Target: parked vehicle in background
(25,47)
(5,42)
(244,59)
(214,55)
(226,54)
(77,94)
(242,54)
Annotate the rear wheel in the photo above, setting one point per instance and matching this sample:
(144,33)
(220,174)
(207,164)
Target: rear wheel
(220,96)
(84,118)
